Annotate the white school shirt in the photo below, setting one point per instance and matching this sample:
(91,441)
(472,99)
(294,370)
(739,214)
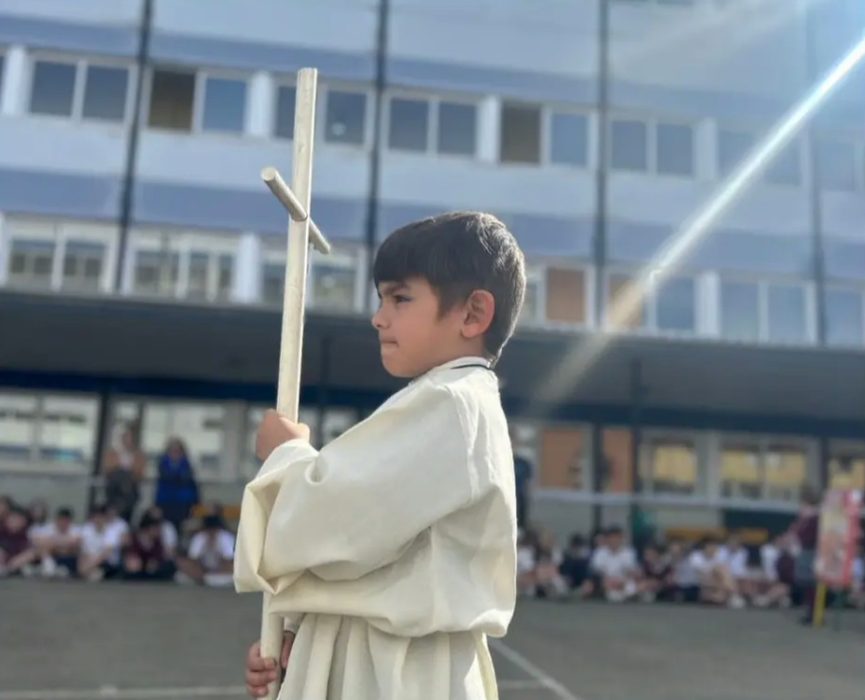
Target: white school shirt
(50,531)
(769,555)
(396,542)
(93,541)
(619,564)
(737,562)
(211,557)
(704,565)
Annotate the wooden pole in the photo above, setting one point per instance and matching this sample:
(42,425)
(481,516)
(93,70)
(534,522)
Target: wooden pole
(294,299)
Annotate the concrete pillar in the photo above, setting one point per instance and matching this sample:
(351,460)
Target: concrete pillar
(260,105)
(247,278)
(489,124)
(14,83)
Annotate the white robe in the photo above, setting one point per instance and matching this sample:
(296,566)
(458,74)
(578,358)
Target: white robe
(394,547)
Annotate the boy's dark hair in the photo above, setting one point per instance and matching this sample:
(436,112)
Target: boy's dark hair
(458,253)
(65,512)
(212,522)
(615,530)
(98,509)
(148,521)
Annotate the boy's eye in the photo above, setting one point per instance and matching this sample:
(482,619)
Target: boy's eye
(399,298)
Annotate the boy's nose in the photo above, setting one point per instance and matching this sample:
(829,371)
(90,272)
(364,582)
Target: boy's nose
(378,320)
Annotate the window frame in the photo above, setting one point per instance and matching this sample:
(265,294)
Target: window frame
(82,65)
(859,289)
(33,465)
(645,470)
(650,305)
(433,102)
(652,123)
(202,75)
(758,133)
(547,113)
(321,113)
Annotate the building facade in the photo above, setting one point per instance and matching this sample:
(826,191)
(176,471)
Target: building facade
(141,260)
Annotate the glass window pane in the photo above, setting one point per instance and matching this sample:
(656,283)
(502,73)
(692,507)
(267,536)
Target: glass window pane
(520,134)
(345,122)
(197,285)
(675,149)
(741,471)
(171,100)
(333,286)
(105,93)
(68,430)
(740,315)
(156,272)
(285,100)
(621,312)
(618,460)
(676,307)
(670,466)
(53,88)
(17,426)
(201,426)
(837,161)
(844,317)
(787,314)
(785,168)
(272,282)
(564,453)
(628,144)
(224,105)
(409,124)
(847,465)
(569,139)
(31,262)
(457,129)
(82,265)
(566,295)
(733,146)
(225,276)
(786,472)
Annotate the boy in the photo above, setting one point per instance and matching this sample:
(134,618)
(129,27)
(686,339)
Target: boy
(59,545)
(393,549)
(616,566)
(210,554)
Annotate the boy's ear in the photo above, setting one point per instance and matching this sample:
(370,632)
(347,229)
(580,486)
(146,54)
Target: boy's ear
(478,313)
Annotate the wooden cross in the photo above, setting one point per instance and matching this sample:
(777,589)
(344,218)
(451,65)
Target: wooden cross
(301,232)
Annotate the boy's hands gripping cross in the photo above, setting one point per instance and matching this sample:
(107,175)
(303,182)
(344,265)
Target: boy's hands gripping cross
(261,672)
(274,431)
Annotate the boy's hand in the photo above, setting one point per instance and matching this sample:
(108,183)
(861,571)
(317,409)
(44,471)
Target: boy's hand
(275,430)
(262,672)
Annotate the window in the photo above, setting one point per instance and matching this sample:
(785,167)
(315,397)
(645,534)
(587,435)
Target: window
(31,262)
(846,465)
(520,133)
(533,301)
(628,145)
(17,426)
(409,125)
(194,266)
(675,149)
(224,104)
(171,99)
(201,426)
(334,282)
(457,129)
(845,317)
(569,139)
(286,96)
(566,296)
(786,308)
(55,431)
(565,454)
(105,93)
(345,117)
(273,280)
(618,460)
(82,266)
(755,468)
(68,429)
(669,465)
(741,470)
(740,311)
(733,147)
(53,88)
(786,166)
(625,304)
(837,163)
(676,306)
(79,89)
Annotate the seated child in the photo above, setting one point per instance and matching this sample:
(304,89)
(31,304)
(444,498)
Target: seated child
(145,558)
(59,544)
(393,548)
(209,560)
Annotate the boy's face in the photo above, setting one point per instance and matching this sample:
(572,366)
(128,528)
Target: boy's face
(413,335)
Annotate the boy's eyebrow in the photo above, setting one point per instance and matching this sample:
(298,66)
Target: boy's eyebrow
(390,288)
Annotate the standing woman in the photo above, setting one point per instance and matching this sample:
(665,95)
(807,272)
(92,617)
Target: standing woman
(124,468)
(176,490)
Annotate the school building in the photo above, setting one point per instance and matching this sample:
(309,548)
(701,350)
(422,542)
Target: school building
(141,258)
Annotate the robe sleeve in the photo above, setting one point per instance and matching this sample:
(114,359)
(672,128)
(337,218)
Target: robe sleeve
(358,504)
